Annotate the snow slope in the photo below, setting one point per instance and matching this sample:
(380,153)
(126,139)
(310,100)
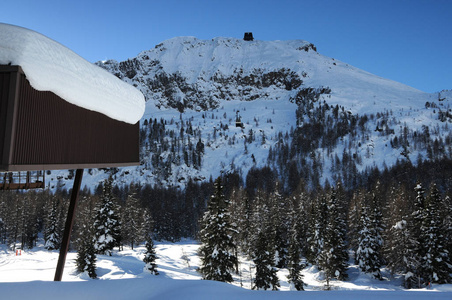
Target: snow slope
(199,60)
(121,276)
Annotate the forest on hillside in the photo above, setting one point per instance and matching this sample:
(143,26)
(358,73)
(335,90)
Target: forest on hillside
(305,190)
(389,206)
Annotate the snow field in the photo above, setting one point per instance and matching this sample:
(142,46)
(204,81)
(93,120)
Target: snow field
(121,276)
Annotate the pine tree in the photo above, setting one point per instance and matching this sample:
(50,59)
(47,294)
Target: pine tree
(146,225)
(278,205)
(301,206)
(377,204)
(241,215)
(86,254)
(218,249)
(106,224)
(24,217)
(316,233)
(52,231)
(13,220)
(354,217)
(264,260)
(130,220)
(419,213)
(435,263)
(367,256)
(258,217)
(30,220)
(294,264)
(150,256)
(333,257)
(447,217)
(415,248)
(401,246)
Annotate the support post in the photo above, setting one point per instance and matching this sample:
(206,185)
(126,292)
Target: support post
(68,227)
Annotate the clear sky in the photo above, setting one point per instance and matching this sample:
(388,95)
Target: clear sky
(409,41)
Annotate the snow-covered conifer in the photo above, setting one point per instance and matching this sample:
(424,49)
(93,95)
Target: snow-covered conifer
(435,263)
(218,249)
(150,256)
(106,223)
(367,255)
(264,260)
(333,257)
(52,232)
(241,213)
(414,247)
(376,217)
(354,217)
(86,254)
(316,230)
(278,207)
(402,256)
(300,221)
(130,220)
(294,263)
(447,220)
(146,225)
(402,244)
(419,213)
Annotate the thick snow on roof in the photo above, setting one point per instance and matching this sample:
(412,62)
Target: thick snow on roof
(50,66)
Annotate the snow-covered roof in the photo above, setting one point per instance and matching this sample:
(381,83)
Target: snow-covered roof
(50,66)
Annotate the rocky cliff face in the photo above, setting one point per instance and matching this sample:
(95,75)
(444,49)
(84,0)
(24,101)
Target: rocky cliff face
(186,73)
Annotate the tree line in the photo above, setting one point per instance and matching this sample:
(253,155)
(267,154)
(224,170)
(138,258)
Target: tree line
(388,212)
(408,231)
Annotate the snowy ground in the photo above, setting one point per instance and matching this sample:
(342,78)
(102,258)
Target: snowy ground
(121,276)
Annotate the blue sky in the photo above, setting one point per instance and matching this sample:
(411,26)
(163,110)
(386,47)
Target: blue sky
(409,41)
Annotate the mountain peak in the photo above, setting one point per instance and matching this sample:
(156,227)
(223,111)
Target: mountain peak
(185,71)
(234,43)
(289,100)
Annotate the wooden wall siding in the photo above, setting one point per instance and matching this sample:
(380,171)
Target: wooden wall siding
(50,133)
(8,89)
(4,89)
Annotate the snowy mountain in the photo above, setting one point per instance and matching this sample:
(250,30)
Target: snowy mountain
(287,98)
(200,74)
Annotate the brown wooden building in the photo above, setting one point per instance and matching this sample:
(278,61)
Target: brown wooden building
(41,131)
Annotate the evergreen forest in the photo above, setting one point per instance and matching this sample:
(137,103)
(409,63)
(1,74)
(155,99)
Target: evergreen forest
(399,218)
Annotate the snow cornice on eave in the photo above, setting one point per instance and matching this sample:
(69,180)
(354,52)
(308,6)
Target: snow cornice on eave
(50,66)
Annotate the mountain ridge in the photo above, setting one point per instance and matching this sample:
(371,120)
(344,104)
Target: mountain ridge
(202,60)
(195,89)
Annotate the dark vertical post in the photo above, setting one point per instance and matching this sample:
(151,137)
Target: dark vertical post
(68,227)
